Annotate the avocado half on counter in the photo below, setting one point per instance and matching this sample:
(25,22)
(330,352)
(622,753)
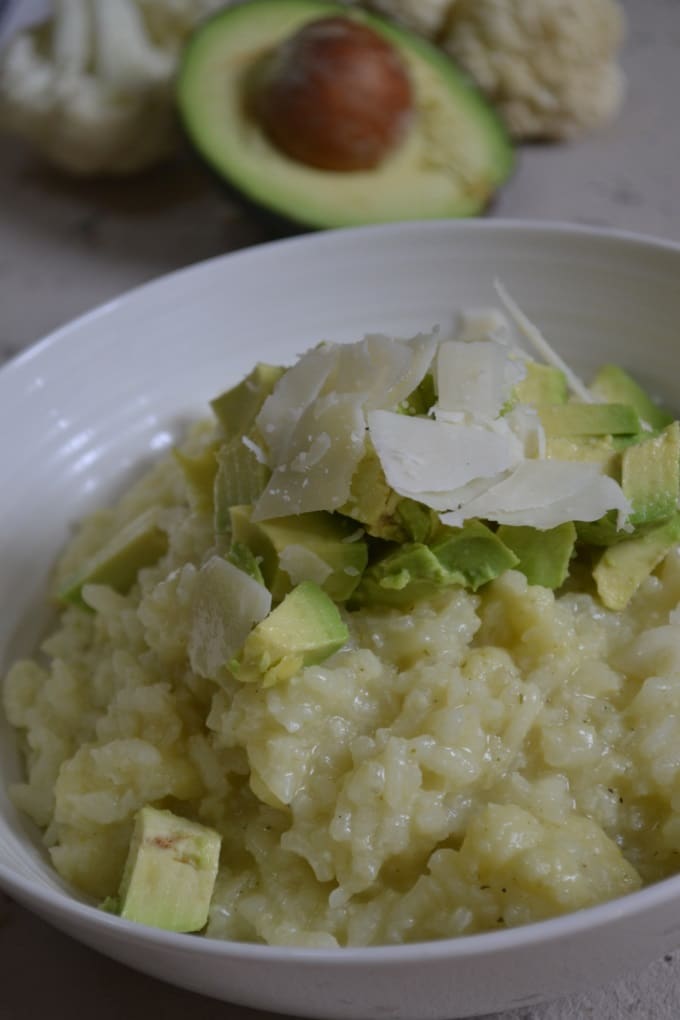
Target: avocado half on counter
(328,116)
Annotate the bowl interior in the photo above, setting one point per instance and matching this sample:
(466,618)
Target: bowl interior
(81,412)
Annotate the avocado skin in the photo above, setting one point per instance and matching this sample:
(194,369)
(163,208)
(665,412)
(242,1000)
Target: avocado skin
(284,220)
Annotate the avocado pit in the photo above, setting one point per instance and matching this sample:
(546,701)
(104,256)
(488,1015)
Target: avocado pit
(335,96)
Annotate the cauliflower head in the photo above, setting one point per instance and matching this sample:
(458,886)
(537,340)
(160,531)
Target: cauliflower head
(91,89)
(548,66)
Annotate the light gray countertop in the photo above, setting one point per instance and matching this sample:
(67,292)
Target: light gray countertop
(65,247)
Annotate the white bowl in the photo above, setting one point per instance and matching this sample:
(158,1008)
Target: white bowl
(79,412)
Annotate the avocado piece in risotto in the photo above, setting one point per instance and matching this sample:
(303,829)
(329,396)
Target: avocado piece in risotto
(170,872)
(141,543)
(304,629)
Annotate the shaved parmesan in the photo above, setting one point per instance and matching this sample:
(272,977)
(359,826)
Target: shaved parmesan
(483,324)
(317,472)
(226,605)
(295,391)
(381,370)
(420,456)
(540,344)
(476,377)
(545,493)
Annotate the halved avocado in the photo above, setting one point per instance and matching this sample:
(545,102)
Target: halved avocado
(455,155)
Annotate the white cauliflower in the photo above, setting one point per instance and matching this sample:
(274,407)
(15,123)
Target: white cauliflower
(92,88)
(548,66)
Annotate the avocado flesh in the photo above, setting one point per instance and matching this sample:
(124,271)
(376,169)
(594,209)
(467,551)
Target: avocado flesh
(240,479)
(236,409)
(589,419)
(650,476)
(542,384)
(328,537)
(469,557)
(199,472)
(170,872)
(303,630)
(622,568)
(455,155)
(141,543)
(613,383)
(543,555)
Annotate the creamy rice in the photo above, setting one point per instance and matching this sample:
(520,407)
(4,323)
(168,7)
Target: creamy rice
(484,761)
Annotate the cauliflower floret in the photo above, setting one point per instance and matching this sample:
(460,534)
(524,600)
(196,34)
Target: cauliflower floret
(92,88)
(549,66)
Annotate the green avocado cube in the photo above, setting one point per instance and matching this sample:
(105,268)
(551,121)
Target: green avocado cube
(303,630)
(543,556)
(141,543)
(170,872)
(240,479)
(237,408)
(623,567)
(199,472)
(542,384)
(613,383)
(650,476)
(319,546)
(588,419)
(468,557)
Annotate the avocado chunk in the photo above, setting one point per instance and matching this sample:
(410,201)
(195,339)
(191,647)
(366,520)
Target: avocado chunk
(600,450)
(451,160)
(543,555)
(199,472)
(468,556)
(613,383)
(650,476)
(141,543)
(240,479)
(303,630)
(237,408)
(623,567)
(588,419)
(318,546)
(542,384)
(170,872)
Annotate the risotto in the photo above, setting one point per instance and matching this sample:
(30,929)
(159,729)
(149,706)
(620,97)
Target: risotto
(477,760)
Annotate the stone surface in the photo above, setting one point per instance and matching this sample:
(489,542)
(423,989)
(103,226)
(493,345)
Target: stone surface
(66,246)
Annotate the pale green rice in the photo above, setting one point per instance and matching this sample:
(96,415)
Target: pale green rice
(484,761)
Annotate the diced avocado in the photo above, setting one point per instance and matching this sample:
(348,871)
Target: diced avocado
(613,383)
(284,546)
(372,501)
(170,872)
(434,172)
(468,556)
(242,558)
(419,522)
(303,630)
(650,476)
(543,555)
(227,602)
(473,552)
(602,532)
(406,575)
(237,408)
(240,479)
(588,419)
(542,384)
(200,472)
(590,449)
(422,398)
(622,568)
(141,543)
